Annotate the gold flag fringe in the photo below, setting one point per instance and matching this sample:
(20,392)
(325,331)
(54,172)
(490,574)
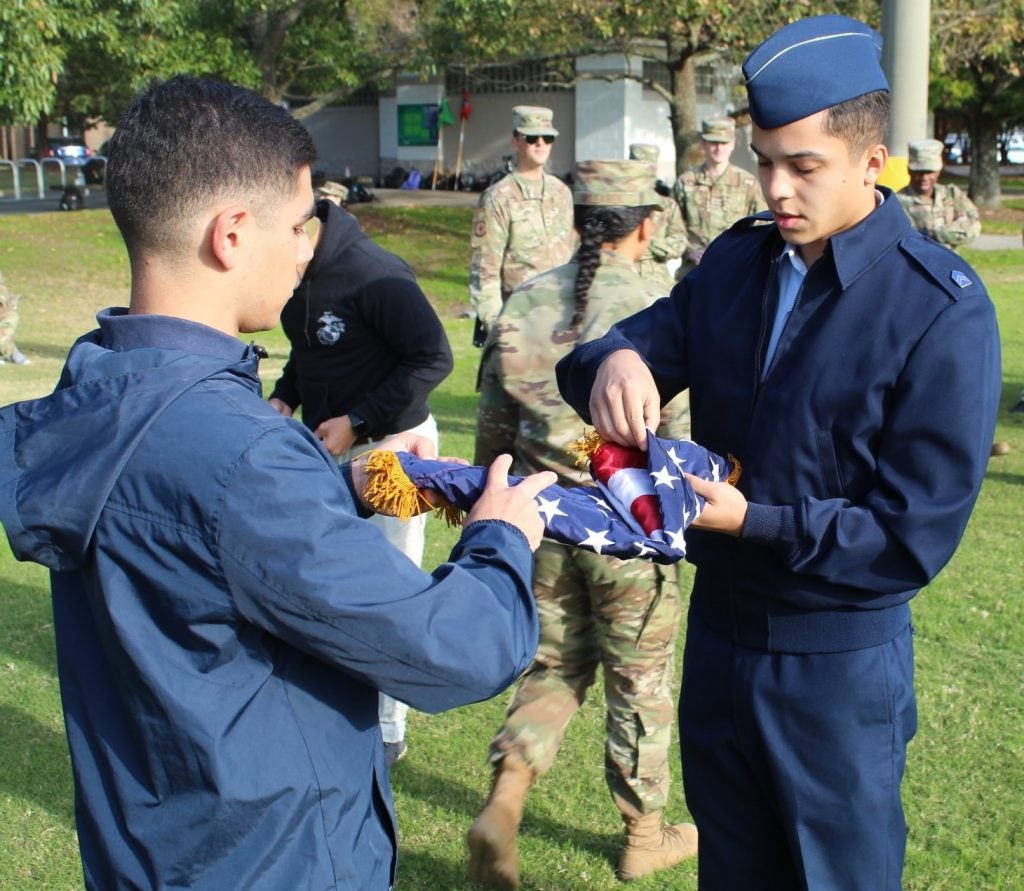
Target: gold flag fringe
(390,491)
(583,450)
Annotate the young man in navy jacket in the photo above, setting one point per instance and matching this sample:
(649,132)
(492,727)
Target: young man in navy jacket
(852,365)
(224,614)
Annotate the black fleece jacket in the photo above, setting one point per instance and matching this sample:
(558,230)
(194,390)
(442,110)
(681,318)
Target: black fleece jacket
(363,335)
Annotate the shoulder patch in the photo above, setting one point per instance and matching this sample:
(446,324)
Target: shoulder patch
(944,267)
(961,280)
(480,227)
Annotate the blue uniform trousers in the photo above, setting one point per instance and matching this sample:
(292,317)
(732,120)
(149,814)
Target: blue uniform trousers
(792,763)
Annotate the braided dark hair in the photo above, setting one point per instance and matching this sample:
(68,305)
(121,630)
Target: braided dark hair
(598,224)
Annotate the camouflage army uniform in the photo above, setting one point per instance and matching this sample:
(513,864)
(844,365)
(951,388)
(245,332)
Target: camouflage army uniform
(668,241)
(710,206)
(522,227)
(594,610)
(8,322)
(952,219)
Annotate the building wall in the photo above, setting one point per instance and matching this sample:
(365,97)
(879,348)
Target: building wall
(599,119)
(346,138)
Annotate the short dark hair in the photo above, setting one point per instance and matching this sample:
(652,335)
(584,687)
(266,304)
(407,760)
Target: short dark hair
(184,142)
(859,122)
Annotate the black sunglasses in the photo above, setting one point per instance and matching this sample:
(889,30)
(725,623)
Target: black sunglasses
(532,140)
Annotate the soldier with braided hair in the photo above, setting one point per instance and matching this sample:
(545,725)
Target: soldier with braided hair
(596,611)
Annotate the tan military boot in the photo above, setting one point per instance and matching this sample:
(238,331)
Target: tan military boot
(493,853)
(650,846)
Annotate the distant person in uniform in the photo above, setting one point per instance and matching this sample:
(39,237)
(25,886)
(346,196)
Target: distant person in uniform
(668,238)
(939,210)
(523,223)
(334,192)
(9,351)
(714,194)
(852,366)
(597,612)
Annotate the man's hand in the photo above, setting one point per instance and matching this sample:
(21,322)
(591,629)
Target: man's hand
(282,407)
(513,504)
(336,434)
(624,401)
(696,255)
(725,506)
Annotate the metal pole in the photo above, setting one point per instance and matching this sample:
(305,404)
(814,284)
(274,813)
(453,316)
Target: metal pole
(906,29)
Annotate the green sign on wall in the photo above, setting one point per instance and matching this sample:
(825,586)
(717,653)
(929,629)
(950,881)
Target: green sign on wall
(417,124)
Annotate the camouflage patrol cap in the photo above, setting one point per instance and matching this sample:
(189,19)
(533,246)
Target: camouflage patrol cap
(722,129)
(332,189)
(924,156)
(615,184)
(644,151)
(533,120)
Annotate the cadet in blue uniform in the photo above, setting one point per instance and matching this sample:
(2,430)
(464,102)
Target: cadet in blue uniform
(853,366)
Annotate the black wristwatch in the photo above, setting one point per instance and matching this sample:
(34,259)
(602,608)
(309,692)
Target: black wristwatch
(359,425)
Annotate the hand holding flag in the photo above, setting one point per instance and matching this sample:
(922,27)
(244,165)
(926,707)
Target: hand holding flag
(640,506)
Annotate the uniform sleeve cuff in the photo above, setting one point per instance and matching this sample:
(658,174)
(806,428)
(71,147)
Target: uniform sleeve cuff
(769,524)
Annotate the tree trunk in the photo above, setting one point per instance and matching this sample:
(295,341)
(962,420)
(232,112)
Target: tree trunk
(683,112)
(984,181)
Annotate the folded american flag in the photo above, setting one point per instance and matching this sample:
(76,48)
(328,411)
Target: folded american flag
(640,505)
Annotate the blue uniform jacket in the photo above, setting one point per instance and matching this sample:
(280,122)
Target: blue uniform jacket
(863,446)
(224,619)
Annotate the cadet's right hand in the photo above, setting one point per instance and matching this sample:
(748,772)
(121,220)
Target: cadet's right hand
(513,504)
(624,400)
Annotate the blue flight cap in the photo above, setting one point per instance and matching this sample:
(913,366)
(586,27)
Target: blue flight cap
(810,65)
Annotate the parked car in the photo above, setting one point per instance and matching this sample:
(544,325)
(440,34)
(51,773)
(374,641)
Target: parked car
(72,150)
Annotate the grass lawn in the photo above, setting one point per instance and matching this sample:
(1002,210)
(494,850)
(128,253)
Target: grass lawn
(963,791)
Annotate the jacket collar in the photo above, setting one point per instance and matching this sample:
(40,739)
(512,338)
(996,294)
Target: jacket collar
(121,331)
(859,247)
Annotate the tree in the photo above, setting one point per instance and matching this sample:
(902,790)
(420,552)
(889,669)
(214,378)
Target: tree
(977,79)
(31,56)
(679,33)
(85,58)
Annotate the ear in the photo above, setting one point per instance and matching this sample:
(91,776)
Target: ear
(876,158)
(646,229)
(228,233)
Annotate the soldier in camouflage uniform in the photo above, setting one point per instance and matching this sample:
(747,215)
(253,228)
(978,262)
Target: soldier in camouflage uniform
(715,194)
(668,241)
(523,224)
(595,611)
(9,351)
(940,211)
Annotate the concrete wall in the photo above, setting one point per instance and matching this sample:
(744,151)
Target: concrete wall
(346,138)
(599,119)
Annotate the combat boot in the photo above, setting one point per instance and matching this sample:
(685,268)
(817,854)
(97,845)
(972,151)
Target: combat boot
(493,851)
(650,846)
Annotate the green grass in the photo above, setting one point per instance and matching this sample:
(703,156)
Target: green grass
(966,772)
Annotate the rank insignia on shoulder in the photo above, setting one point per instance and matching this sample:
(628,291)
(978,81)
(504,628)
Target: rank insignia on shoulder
(962,280)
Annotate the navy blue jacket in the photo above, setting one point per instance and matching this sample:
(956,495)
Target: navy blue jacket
(224,619)
(863,447)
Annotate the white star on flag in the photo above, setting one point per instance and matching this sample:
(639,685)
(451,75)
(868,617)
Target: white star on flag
(601,503)
(675,459)
(595,540)
(676,540)
(550,509)
(642,550)
(663,477)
